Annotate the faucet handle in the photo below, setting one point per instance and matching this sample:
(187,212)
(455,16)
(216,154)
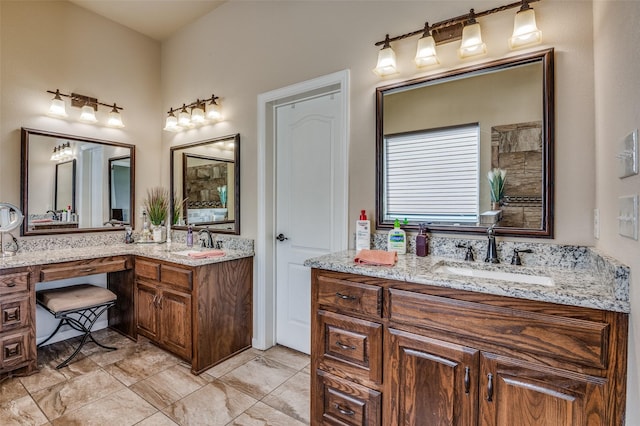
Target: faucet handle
(469,255)
(515,260)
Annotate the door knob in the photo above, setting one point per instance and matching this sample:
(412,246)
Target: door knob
(281,237)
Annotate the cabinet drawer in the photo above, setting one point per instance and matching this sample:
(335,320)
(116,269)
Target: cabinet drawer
(351,347)
(149,270)
(345,403)
(350,296)
(12,283)
(14,349)
(14,314)
(82,268)
(575,340)
(176,276)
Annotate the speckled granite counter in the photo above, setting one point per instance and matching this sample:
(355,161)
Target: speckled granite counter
(155,251)
(597,286)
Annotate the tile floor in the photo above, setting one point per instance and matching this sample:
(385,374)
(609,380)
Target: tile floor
(140,384)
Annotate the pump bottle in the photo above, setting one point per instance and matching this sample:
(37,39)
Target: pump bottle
(363,232)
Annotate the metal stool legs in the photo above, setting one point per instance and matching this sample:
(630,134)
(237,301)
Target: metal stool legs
(84,322)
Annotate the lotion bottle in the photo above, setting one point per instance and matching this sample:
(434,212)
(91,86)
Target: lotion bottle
(397,239)
(363,232)
(422,241)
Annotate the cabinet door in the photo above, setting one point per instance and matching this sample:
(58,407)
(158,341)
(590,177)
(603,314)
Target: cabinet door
(146,312)
(517,393)
(175,322)
(429,382)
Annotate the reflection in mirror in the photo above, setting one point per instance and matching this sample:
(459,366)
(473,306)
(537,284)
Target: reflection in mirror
(65,196)
(81,180)
(119,190)
(205,180)
(439,137)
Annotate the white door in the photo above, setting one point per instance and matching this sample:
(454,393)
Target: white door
(309,203)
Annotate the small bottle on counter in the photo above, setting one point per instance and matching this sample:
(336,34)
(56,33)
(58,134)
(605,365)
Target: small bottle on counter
(422,241)
(397,239)
(190,236)
(363,232)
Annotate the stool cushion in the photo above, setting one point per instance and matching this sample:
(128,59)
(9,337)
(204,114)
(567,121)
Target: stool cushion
(74,297)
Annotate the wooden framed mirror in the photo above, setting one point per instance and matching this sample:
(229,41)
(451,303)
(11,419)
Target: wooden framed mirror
(205,180)
(438,137)
(82,178)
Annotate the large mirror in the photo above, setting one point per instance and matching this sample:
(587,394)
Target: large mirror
(205,180)
(68,184)
(469,148)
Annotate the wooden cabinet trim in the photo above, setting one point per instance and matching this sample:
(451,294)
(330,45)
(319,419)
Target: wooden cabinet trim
(349,296)
(14,282)
(81,268)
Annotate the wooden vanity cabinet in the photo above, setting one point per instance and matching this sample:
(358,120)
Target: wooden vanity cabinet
(202,314)
(17,322)
(452,357)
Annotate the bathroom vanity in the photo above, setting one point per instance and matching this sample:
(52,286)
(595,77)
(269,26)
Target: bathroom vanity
(417,344)
(198,309)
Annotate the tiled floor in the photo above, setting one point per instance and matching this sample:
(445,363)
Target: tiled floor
(140,384)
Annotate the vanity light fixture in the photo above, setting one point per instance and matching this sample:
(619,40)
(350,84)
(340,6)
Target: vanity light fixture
(62,152)
(464,28)
(197,113)
(88,106)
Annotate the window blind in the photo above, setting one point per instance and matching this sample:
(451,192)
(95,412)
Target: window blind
(432,175)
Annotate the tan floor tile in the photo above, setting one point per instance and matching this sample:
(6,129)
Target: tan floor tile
(108,337)
(232,363)
(11,389)
(52,355)
(292,397)
(307,369)
(158,419)
(259,376)
(145,362)
(214,404)
(21,411)
(168,386)
(75,393)
(261,414)
(122,408)
(288,357)
(46,377)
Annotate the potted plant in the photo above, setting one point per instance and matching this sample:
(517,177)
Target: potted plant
(157,206)
(496,185)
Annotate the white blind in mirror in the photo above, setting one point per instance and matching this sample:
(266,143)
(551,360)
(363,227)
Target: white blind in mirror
(432,175)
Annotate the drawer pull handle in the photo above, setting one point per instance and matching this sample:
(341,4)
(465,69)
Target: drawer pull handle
(12,350)
(345,411)
(88,269)
(11,284)
(345,347)
(467,380)
(345,296)
(490,388)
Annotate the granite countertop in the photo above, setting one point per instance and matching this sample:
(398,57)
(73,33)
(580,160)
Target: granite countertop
(585,288)
(163,251)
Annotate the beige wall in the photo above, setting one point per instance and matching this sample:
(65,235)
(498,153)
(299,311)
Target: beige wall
(617,92)
(56,45)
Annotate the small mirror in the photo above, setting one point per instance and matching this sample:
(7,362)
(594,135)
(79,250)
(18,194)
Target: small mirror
(205,179)
(69,184)
(443,139)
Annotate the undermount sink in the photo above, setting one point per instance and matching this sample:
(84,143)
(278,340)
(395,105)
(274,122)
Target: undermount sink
(496,275)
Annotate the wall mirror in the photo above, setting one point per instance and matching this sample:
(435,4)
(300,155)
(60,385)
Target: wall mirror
(438,138)
(67,184)
(205,180)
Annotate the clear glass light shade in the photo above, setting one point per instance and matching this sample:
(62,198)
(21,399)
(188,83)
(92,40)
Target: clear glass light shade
(471,44)
(88,114)
(525,30)
(171,124)
(58,108)
(214,112)
(115,119)
(184,118)
(386,62)
(67,152)
(197,115)
(426,52)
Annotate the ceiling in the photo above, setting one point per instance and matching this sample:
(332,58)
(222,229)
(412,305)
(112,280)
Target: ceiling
(158,19)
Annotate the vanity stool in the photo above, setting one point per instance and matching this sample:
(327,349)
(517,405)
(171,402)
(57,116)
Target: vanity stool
(79,306)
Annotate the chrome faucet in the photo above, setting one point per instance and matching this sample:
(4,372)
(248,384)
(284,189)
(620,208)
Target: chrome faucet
(492,249)
(205,241)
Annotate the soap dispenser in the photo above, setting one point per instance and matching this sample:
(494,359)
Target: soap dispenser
(422,241)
